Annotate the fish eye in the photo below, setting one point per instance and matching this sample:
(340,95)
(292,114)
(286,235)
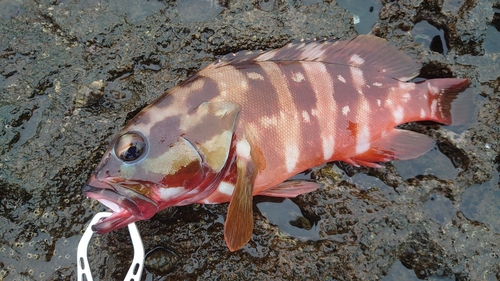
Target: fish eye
(130,146)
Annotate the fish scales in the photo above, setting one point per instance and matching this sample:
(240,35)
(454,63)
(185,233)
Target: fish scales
(245,124)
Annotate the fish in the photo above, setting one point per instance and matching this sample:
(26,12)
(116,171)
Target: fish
(245,124)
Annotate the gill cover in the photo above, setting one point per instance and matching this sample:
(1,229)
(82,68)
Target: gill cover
(199,155)
(199,146)
(211,129)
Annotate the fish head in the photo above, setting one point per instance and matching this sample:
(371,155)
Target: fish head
(146,170)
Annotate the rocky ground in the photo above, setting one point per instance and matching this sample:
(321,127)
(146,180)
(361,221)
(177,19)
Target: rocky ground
(73,72)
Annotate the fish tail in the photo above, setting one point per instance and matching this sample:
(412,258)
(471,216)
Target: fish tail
(447,105)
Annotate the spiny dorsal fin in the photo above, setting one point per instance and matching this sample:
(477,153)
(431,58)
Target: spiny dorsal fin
(237,58)
(363,51)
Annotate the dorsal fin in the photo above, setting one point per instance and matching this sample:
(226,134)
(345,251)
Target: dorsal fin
(364,51)
(237,58)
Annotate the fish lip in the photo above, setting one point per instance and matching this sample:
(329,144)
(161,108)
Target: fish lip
(117,220)
(127,206)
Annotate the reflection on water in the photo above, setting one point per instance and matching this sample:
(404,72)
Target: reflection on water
(26,259)
(432,163)
(195,10)
(400,272)
(439,208)
(12,9)
(365,13)
(431,36)
(289,218)
(491,43)
(481,202)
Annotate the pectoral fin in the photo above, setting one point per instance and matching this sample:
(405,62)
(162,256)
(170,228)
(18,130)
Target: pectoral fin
(239,221)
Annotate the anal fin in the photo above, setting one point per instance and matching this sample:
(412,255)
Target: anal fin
(239,221)
(290,189)
(357,162)
(395,145)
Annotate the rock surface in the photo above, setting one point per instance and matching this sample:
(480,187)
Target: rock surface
(73,72)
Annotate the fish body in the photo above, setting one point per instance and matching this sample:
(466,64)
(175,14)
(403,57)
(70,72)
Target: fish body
(245,124)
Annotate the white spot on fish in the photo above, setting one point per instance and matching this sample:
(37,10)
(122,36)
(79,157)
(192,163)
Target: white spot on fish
(255,76)
(315,70)
(268,121)
(341,79)
(363,139)
(379,103)
(377,84)
(298,77)
(243,149)
(226,188)
(433,90)
(358,77)
(169,193)
(433,108)
(356,59)
(398,115)
(328,146)
(388,102)
(422,113)
(305,116)
(407,86)
(315,112)
(345,110)
(291,156)
(406,97)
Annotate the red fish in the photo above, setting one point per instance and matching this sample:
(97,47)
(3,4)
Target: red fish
(245,124)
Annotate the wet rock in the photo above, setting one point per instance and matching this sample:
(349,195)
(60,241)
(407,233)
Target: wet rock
(431,36)
(161,261)
(166,214)
(91,94)
(358,227)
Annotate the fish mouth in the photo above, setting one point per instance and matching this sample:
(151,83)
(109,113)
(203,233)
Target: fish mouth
(127,205)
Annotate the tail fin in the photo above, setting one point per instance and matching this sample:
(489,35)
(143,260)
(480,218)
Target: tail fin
(446,105)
